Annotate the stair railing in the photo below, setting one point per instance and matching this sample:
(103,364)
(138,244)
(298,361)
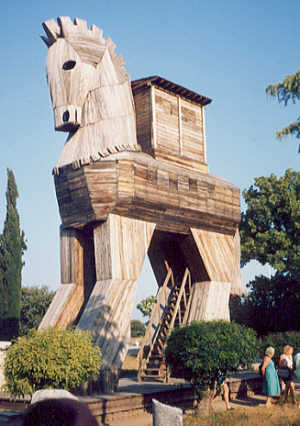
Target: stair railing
(181,293)
(150,339)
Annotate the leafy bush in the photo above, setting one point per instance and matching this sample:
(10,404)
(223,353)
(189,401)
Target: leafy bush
(137,328)
(203,350)
(278,341)
(51,358)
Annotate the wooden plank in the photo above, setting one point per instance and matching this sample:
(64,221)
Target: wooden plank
(237,286)
(107,316)
(210,301)
(93,192)
(119,254)
(58,305)
(217,253)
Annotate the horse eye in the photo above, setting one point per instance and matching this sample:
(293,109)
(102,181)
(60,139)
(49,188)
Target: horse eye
(69,65)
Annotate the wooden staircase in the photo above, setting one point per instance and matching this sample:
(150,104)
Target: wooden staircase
(171,310)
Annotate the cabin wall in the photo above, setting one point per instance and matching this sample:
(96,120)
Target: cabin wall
(143,110)
(167,122)
(170,128)
(193,145)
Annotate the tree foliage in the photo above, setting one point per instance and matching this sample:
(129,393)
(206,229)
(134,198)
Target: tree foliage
(203,350)
(51,358)
(285,91)
(137,328)
(145,306)
(270,227)
(12,246)
(278,341)
(266,306)
(34,304)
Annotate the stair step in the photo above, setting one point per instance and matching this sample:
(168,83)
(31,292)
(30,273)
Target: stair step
(155,356)
(154,364)
(154,373)
(157,371)
(153,378)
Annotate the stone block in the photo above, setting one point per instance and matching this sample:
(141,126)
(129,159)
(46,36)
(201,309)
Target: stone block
(165,415)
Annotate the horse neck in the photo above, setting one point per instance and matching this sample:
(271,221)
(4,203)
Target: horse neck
(110,98)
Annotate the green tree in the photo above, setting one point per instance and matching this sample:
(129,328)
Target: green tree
(12,246)
(285,91)
(265,307)
(203,351)
(137,328)
(270,227)
(34,304)
(145,306)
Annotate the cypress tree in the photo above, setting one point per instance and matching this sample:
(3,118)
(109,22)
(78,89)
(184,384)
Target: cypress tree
(12,246)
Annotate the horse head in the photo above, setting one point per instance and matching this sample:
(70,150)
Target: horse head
(89,87)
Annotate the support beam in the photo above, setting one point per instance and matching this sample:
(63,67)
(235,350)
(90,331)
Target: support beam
(210,301)
(69,298)
(121,245)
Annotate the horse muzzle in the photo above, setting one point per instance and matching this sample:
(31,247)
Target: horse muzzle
(67,118)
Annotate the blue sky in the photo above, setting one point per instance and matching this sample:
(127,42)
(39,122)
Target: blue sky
(226,50)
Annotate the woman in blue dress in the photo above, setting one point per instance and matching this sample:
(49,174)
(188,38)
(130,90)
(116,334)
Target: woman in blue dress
(271,383)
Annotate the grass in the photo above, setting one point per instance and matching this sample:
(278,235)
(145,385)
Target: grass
(279,415)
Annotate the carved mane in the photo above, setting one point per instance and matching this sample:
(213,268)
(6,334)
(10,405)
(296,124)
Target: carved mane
(93,101)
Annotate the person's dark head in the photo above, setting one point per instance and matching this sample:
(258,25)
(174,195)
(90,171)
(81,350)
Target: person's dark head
(59,412)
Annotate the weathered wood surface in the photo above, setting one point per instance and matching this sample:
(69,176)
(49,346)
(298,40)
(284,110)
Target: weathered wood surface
(134,185)
(90,92)
(237,285)
(169,127)
(210,301)
(77,278)
(107,316)
(59,304)
(121,245)
(220,255)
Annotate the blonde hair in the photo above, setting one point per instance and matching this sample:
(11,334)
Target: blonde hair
(287,348)
(270,351)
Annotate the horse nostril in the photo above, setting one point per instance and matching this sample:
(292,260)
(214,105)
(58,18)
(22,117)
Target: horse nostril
(66,116)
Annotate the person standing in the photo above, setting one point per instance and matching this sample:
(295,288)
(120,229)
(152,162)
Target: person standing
(286,371)
(270,379)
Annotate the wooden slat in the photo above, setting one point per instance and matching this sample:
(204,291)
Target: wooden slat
(210,301)
(119,253)
(216,251)
(107,316)
(237,285)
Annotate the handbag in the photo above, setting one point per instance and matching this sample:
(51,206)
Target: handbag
(283,373)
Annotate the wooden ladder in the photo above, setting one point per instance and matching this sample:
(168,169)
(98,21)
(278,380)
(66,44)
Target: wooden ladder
(171,310)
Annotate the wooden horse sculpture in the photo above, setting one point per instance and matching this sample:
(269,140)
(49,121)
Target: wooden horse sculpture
(130,184)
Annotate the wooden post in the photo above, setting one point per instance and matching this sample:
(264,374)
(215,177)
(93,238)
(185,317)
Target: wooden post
(121,245)
(69,298)
(220,254)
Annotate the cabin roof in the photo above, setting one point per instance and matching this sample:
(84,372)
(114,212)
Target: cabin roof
(156,80)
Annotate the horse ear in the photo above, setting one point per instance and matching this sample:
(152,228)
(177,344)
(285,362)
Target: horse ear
(46,40)
(52,31)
